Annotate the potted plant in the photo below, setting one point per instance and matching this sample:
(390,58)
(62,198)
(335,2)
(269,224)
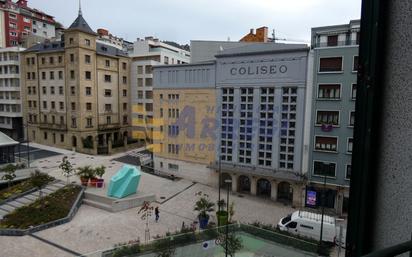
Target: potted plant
(99,171)
(203,206)
(85,173)
(222,215)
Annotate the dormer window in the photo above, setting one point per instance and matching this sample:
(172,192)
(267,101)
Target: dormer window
(71,40)
(87,42)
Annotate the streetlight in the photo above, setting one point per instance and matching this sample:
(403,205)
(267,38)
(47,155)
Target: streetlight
(228,182)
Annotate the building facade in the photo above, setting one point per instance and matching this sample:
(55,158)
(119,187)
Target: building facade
(147,53)
(333,114)
(106,38)
(77,92)
(11,118)
(18,21)
(261,95)
(184,121)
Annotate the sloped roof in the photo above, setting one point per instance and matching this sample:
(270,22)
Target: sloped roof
(81,24)
(6,140)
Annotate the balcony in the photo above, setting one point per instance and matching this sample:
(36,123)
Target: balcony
(109,126)
(53,126)
(336,44)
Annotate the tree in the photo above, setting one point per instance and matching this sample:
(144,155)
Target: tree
(67,168)
(234,243)
(39,181)
(10,174)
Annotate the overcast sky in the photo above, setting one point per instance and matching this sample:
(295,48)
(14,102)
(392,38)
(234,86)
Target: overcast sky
(185,20)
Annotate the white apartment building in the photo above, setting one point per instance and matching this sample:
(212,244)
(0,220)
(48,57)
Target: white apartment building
(11,121)
(145,54)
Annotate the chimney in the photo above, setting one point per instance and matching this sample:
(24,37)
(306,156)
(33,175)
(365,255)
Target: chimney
(251,31)
(262,34)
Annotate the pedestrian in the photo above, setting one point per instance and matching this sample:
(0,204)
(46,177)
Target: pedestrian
(157,213)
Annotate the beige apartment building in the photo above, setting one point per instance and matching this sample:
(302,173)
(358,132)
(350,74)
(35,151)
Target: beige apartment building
(184,121)
(77,92)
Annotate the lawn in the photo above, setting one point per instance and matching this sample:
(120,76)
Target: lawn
(49,208)
(19,188)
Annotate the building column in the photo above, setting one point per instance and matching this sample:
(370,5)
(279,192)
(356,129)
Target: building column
(297,195)
(95,144)
(109,145)
(274,190)
(234,182)
(253,185)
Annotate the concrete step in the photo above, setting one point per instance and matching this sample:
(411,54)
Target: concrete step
(59,184)
(15,204)
(24,200)
(48,190)
(8,207)
(98,198)
(3,213)
(98,205)
(32,196)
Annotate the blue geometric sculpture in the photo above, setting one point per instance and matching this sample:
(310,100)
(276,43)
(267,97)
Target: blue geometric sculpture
(124,182)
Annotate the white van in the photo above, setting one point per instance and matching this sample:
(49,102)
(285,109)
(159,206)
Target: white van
(307,224)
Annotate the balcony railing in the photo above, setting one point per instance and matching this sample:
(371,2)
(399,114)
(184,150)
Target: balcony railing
(109,126)
(45,125)
(338,43)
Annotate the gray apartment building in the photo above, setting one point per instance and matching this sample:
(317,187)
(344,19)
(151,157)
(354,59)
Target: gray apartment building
(261,96)
(335,51)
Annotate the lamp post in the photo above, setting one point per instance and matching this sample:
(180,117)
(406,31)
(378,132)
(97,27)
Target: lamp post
(227,182)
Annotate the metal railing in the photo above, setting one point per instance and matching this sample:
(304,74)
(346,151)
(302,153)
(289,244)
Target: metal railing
(393,250)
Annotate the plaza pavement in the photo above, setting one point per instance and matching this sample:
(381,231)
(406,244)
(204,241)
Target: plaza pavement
(93,229)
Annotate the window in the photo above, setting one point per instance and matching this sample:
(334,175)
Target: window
(166,60)
(62,138)
(43,75)
(330,64)
(61,92)
(139,69)
(124,106)
(350,145)
(74,123)
(107,63)
(327,117)
(87,58)
(89,122)
(148,82)
(87,42)
(33,75)
(88,91)
(355,63)
(72,90)
(60,74)
(124,92)
(125,120)
(292,224)
(139,82)
(323,143)
(73,106)
(353,95)
(107,78)
(60,58)
(124,80)
(44,89)
(107,92)
(329,91)
(61,105)
(51,75)
(45,135)
(108,120)
(333,40)
(324,169)
(61,120)
(88,75)
(351,119)
(28,75)
(52,90)
(108,107)
(124,65)
(44,105)
(53,106)
(148,69)
(89,106)
(348,171)
(71,57)
(173,167)
(51,59)
(161,112)
(72,74)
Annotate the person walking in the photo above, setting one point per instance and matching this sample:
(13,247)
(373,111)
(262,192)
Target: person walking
(157,213)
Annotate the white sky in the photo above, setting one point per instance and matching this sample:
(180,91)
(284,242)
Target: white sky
(185,20)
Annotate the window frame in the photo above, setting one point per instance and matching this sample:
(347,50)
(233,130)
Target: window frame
(323,110)
(325,151)
(331,72)
(329,99)
(321,176)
